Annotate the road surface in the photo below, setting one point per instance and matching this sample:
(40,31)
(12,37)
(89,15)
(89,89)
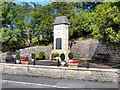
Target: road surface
(13,81)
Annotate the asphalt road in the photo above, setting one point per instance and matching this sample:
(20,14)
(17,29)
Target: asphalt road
(12,81)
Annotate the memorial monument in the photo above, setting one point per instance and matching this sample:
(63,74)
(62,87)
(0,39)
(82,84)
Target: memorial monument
(61,36)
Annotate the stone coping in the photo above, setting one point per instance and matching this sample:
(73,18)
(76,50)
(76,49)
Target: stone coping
(65,68)
(43,60)
(85,59)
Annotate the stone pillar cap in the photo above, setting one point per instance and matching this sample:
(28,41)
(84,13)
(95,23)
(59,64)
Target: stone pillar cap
(61,20)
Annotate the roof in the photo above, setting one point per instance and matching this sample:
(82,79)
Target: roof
(61,20)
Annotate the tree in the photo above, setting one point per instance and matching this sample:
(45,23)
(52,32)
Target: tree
(78,16)
(41,20)
(23,23)
(105,24)
(13,29)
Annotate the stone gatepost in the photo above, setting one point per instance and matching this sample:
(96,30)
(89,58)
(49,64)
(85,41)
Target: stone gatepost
(61,36)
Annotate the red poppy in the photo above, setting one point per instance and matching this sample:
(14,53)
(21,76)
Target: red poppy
(24,59)
(74,61)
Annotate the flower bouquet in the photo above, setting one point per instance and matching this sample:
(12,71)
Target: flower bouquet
(73,63)
(24,61)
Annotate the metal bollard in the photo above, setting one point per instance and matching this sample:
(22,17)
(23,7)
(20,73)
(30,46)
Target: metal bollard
(87,63)
(34,62)
(58,63)
(15,61)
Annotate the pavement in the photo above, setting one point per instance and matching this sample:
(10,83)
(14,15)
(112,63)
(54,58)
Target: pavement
(55,63)
(13,81)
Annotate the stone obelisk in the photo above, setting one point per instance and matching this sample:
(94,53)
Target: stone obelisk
(61,36)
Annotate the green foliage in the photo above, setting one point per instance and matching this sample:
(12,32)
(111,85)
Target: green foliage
(17,56)
(13,31)
(105,23)
(33,56)
(70,55)
(9,39)
(62,56)
(24,25)
(56,54)
(41,55)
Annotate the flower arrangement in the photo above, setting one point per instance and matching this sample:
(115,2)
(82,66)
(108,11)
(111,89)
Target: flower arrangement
(24,60)
(72,63)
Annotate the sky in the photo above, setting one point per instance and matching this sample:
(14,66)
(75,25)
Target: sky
(42,2)
(32,0)
(67,0)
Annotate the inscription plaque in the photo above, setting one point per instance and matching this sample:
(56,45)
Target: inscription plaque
(58,43)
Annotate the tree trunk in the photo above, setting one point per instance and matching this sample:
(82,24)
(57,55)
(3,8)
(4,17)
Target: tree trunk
(38,40)
(30,40)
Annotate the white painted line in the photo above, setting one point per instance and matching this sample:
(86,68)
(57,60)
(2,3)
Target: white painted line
(28,83)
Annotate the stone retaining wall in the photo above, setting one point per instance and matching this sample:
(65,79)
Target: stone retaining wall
(82,49)
(102,75)
(94,49)
(36,50)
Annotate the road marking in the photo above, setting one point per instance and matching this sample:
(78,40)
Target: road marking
(28,83)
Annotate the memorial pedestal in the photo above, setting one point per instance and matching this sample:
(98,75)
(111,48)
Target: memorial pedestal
(61,36)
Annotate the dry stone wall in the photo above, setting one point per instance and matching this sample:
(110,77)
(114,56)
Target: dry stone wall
(95,50)
(108,52)
(82,49)
(36,50)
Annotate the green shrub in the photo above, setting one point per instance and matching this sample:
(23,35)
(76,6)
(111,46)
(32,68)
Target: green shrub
(56,54)
(18,56)
(70,55)
(62,56)
(41,55)
(33,56)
